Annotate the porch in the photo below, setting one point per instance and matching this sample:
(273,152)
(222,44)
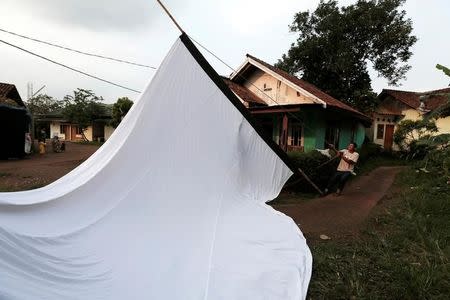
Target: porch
(299,128)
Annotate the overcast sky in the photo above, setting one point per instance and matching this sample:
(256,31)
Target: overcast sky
(138,30)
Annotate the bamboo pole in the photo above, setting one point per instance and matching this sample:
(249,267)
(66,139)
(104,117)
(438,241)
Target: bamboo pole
(310,181)
(170,16)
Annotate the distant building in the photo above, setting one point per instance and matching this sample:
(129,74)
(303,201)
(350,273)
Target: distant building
(396,106)
(296,114)
(57,125)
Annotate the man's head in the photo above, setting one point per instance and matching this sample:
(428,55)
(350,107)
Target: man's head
(352,147)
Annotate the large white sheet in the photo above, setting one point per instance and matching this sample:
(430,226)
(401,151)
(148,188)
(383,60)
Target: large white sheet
(171,207)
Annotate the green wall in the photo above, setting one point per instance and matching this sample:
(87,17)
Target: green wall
(314,129)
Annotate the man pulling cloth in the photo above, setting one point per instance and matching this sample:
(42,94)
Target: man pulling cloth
(349,158)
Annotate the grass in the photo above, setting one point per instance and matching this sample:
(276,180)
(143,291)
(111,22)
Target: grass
(403,253)
(379,161)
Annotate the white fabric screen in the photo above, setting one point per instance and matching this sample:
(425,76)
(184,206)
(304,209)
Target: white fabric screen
(172,206)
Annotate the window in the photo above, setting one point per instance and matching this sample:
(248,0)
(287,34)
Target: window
(295,134)
(267,88)
(298,94)
(62,128)
(79,131)
(332,135)
(380,131)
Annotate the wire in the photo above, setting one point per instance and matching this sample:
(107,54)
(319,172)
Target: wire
(78,51)
(70,68)
(267,95)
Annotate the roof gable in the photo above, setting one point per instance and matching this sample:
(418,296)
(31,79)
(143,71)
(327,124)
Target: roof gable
(9,92)
(243,93)
(432,99)
(296,83)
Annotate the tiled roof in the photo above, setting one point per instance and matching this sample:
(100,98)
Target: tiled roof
(244,93)
(432,100)
(5,88)
(9,92)
(309,88)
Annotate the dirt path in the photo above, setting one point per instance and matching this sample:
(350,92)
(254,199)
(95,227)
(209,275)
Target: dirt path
(331,215)
(39,170)
(342,216)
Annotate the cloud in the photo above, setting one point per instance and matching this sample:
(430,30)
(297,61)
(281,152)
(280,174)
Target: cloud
(96,15)
(248,17)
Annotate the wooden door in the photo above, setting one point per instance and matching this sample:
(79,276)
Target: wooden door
(73,131)
(284,132)
(389,137)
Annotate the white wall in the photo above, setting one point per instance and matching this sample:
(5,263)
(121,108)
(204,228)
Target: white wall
(88,133)
(54,130)
(382,120)
(108,131)
(274,90)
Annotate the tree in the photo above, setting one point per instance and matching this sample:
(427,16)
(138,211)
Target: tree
(120,109)
(409,132)
(82,108)
(335,46)
(443,69)
(43,104)
(444,110)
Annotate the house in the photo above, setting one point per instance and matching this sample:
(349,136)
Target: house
(396,106)
(296,114)
(15,120)
(56,125)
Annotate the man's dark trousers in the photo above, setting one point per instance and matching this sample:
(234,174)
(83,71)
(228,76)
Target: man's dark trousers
(339,178)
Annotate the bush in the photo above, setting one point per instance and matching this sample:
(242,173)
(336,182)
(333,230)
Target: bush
(368,150)
(310,163)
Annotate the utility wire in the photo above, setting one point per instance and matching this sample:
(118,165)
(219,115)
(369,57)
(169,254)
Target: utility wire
(267,95)
(70,68)
(77,51)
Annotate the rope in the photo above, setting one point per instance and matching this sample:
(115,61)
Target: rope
(262,91)
(70,68)
(77,51)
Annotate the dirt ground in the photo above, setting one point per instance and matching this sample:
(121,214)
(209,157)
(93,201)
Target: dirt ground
(335,217)
(38,170)
(342,216)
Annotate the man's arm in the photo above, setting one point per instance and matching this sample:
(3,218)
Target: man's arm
(347,160)
(332,147)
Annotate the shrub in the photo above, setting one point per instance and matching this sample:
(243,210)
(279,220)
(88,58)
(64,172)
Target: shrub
(369,150)
(408,132)
(310,163)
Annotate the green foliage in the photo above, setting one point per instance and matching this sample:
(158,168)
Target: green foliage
(336,44)
(43,104)
(368,150)
(437,155)
(120,109)
(409,132)
(403,253)
(82,108)
(443,69)
(444,110)
(319,167)
(310,163)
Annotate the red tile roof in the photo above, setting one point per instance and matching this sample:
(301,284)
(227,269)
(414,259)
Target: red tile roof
(9,92)
(433,99)
(309,88)
(244,93)
(5,88)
